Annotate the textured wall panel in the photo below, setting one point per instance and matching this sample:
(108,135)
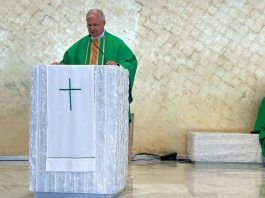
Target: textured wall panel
(201,63)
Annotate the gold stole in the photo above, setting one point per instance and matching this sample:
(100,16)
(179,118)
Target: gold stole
(94,56)
(94,53)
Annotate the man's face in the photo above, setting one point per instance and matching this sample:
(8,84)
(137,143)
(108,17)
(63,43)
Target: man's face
(95,25)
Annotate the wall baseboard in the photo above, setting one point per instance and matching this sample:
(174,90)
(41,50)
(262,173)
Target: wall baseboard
(14,158)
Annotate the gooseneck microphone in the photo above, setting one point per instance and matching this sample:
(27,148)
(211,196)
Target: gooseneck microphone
(97,46)
(99,49)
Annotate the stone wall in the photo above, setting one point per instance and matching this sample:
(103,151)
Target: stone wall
(201,63)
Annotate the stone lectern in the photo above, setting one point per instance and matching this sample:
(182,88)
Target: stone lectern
(78,129)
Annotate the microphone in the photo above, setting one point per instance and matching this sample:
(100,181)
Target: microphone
(96,46)
(99,49)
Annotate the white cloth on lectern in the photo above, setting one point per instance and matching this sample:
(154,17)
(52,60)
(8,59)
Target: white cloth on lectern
(70,134)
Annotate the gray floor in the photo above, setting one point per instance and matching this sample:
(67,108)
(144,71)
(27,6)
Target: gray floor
(165,180)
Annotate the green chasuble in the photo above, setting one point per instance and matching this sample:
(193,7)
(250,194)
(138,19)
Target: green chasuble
(113,48)
(260,125)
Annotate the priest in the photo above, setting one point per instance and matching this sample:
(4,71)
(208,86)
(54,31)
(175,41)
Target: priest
(100,47)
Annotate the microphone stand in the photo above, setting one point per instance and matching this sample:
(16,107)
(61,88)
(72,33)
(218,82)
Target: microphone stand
(99,49)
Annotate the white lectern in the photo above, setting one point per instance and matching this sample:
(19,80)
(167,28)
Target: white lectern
(78,129)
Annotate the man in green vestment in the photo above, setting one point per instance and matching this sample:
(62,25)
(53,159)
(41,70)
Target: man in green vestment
(260,126)
(111,50)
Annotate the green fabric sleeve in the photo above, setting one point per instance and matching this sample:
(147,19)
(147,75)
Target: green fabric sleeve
(128,61)
(260,126)
(65,60)
(76,54)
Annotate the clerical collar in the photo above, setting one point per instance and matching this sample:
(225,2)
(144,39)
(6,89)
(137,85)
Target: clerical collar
(98,37)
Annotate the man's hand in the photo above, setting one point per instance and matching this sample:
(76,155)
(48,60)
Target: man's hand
(55,63)
(111,63)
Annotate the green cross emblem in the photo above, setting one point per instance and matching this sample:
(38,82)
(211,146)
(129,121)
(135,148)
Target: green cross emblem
(70,89)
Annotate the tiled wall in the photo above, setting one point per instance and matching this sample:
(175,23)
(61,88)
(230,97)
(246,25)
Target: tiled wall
(201,63)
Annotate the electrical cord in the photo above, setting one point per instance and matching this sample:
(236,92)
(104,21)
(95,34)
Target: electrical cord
(145,159)
(155,159)
(154,156)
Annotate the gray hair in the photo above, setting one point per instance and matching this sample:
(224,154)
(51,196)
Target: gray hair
(96,11)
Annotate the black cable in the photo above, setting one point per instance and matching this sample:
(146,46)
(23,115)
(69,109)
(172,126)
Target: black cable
(148,154)
(167,157)
(183,161)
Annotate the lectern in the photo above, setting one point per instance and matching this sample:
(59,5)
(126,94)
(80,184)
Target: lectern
(78,129)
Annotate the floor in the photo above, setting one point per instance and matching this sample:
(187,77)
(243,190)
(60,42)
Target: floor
(161,179)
